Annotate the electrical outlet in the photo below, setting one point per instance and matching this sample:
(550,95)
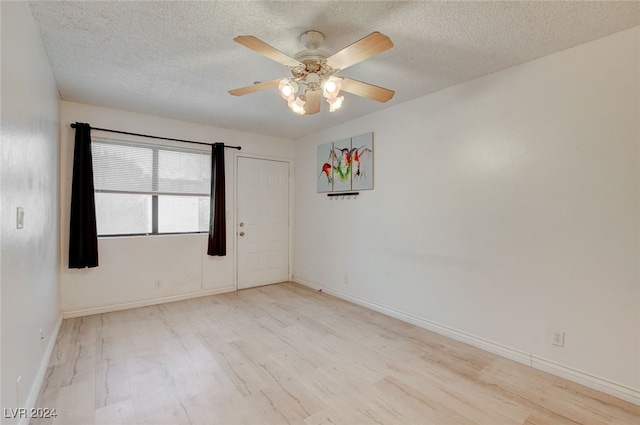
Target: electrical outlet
(158,284)
(557,338)
(346,278)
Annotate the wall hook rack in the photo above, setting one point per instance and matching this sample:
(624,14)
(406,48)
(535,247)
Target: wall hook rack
(343,195)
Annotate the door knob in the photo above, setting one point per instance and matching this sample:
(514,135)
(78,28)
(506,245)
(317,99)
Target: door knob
(241,233)
(241,224)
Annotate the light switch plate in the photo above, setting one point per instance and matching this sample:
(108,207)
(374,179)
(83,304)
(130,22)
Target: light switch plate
(19,218)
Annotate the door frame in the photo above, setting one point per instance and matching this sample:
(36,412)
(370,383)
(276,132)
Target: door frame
(289,162)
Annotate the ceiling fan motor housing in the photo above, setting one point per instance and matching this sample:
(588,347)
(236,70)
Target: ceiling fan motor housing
(315,70)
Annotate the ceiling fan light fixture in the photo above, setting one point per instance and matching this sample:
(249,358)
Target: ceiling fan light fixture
(335,103)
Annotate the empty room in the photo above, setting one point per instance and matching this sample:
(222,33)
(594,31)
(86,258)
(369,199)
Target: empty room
(320,212)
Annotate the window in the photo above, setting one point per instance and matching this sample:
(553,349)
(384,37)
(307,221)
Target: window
(144,189)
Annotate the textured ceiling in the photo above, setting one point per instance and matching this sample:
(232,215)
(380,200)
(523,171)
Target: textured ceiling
(178,59)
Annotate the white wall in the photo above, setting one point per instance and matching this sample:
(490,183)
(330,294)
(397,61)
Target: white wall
(29,169)
(504,208)
(130,266)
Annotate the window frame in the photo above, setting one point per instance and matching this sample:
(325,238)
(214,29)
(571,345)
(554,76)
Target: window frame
(155,149)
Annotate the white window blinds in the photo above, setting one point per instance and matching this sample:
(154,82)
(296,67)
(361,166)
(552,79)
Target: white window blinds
(147,169)
(144,189)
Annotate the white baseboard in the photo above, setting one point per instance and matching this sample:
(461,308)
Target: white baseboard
(34,392)
(608,387)
(107,308)
(588,380)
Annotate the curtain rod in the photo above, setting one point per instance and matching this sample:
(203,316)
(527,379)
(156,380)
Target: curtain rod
(74,125)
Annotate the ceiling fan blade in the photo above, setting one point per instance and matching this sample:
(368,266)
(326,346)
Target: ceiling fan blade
(362,49)
(312,102)
(367,90)
(264,49)
(254,88)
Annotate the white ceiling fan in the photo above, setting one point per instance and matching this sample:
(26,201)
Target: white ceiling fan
(314,71)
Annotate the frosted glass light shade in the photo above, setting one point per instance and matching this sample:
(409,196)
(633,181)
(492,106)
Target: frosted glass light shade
(335,103)
(332,88)
(297,106)
(288,89)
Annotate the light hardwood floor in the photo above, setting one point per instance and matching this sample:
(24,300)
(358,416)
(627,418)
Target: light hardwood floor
(284,354)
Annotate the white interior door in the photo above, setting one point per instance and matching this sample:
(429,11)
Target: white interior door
(262,222)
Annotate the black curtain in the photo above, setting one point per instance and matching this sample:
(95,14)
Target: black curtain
(217,216)
(83,235)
